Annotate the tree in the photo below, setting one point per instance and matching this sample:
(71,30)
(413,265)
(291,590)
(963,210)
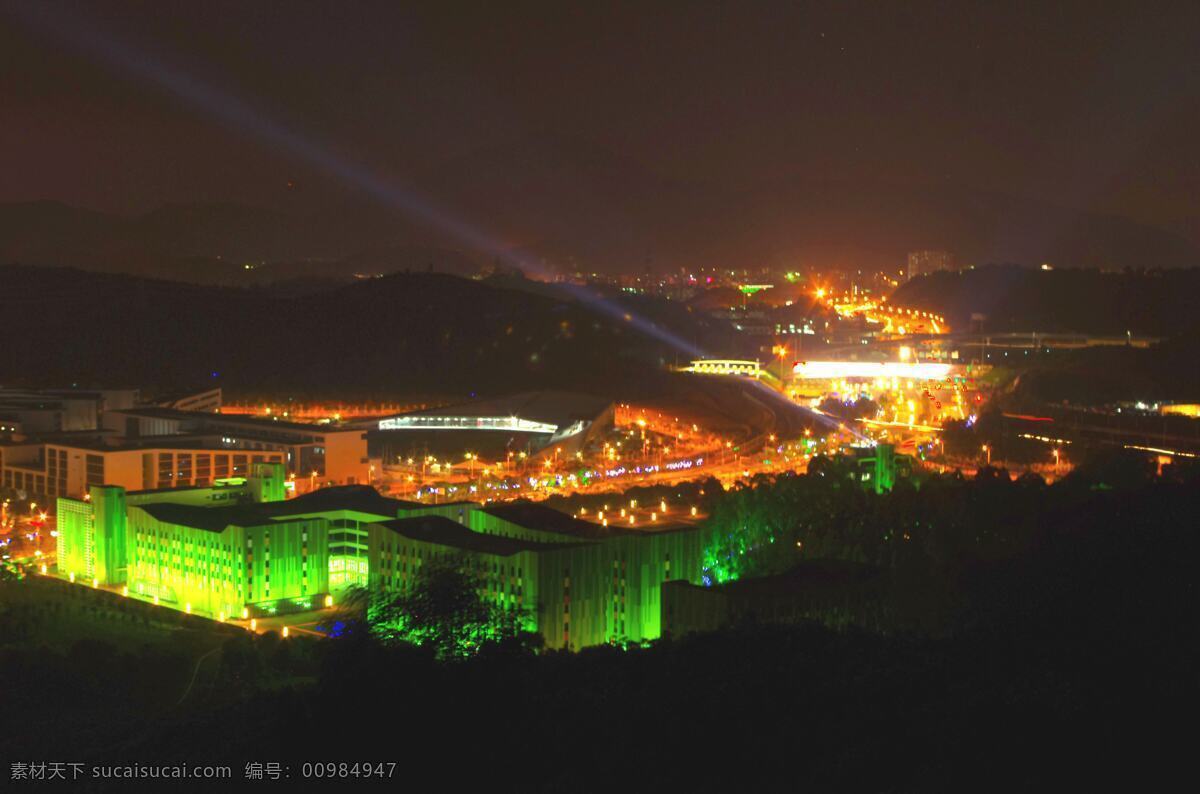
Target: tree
(862,408)
(445,611)
(1115,468)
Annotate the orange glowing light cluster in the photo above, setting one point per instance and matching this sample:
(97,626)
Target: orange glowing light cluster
(319,412)
(895,319)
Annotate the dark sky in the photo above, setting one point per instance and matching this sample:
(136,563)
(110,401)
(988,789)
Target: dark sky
(1091,105)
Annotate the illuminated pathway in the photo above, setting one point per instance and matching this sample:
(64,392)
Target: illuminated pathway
(896,320)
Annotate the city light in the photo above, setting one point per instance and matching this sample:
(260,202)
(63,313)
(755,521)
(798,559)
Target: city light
(828,370)
(725,367)
(897,507)
(499,423)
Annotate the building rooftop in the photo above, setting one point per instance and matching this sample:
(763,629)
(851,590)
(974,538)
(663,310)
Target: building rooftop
(444,532)
(214,519)
(362,498)
(250,423)
(206,442)
(553,407)
(32,403)
(107,441)
(541,518)
(223,485)
(354,498)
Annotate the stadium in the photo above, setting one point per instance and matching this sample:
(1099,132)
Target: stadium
(534,423)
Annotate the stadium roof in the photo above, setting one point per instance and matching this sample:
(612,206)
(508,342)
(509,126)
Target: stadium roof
(558,408)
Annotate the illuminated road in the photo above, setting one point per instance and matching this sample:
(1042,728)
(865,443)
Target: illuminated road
(895,320)
(782,436)
(796,418)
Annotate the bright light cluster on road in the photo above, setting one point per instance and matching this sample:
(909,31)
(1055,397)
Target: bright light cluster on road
(827,370)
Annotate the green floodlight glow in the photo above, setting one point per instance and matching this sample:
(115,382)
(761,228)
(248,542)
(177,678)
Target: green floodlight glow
(76,535)
(614,582)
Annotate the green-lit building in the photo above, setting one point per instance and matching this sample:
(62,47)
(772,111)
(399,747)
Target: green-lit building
(880,466)
(595,584)
(239,548)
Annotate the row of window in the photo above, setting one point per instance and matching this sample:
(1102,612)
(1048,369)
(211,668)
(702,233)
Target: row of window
(183,467)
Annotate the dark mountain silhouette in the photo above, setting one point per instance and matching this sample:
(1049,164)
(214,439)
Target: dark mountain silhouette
(213,243)
(571,199)
(559,204)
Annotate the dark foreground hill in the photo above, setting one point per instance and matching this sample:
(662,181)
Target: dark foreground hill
(1068,664)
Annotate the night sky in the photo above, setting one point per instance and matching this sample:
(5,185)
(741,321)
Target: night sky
(1092,108)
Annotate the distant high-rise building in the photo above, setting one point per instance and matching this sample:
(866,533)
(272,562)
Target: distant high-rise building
(921,262)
